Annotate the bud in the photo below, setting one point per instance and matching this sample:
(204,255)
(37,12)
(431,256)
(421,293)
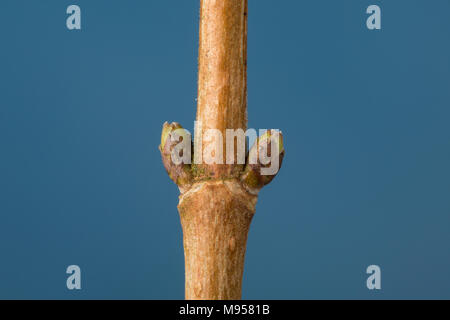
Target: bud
(175,150)
(264,160)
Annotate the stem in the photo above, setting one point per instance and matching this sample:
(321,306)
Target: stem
(215,217)
(217,200)
(222,77)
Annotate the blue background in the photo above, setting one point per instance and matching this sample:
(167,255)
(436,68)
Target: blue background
(365,115)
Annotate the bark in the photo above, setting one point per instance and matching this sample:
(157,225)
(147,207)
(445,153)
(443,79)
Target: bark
(215,217)
(217,201)
(222,76)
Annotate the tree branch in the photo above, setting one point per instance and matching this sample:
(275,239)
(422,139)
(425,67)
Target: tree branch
(217,200)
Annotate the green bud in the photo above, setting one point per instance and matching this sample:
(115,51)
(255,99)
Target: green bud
(180,173)
(252,176)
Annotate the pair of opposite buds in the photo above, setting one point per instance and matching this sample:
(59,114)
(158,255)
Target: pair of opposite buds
(262,161)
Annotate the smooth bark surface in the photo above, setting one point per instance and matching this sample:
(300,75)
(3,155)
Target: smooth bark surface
(217,201)
(222,77)
(215,216)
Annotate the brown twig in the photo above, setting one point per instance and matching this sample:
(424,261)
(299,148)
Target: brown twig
(217,201)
